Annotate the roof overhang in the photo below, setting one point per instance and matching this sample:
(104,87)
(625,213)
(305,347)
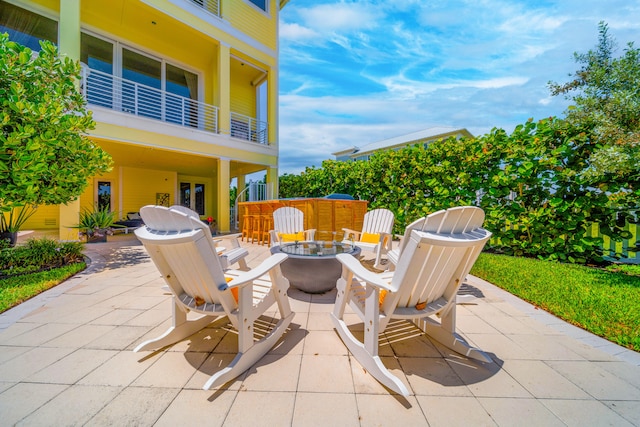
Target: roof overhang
(350,150)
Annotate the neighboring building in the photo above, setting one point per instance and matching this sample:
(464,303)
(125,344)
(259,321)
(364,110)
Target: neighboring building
(398,142)
(184,93)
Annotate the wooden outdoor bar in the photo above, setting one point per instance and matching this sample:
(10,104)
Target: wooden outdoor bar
(324,215)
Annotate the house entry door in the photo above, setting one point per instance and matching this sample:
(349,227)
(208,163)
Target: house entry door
(192,196)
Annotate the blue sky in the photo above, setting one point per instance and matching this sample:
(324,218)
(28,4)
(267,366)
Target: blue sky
(356,72)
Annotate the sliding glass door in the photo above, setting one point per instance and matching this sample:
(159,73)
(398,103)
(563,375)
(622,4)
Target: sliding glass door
(135,82)
(142,84)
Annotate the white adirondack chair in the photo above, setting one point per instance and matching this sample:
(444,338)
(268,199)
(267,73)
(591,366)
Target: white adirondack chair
(227,245)
(288,225)
(375,235)
(459,219)
(430,270)
(183,251)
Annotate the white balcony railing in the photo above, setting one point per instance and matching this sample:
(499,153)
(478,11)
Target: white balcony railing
(245,127)
(105,90)
(211,6)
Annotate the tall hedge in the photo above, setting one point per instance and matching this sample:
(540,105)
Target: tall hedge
(530,183)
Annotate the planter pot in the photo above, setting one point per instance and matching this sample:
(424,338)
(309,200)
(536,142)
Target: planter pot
(11,236)
(99,236)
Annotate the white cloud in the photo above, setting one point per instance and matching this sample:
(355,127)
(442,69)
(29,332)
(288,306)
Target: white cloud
(296,32)
(531,24)
(499,82)
(339,17)
(361,71)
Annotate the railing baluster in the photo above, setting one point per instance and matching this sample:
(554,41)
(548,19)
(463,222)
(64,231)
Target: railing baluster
(245,127)
(183,112)
(106,90)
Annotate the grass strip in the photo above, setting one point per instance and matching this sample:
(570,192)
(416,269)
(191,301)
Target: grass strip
(17,289)
(605,303)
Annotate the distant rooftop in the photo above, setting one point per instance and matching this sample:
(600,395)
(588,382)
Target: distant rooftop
(422,136)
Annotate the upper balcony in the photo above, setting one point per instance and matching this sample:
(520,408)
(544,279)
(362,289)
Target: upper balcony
(105,90)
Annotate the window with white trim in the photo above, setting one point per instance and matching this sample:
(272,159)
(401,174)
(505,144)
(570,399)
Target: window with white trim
(25,27)
(262,4)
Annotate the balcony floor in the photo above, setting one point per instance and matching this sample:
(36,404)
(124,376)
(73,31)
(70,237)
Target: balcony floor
(66,359)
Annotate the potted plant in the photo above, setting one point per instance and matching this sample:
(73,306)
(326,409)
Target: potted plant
(11,221)
(96,225)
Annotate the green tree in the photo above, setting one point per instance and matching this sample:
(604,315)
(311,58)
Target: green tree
(45,155)
(607,106)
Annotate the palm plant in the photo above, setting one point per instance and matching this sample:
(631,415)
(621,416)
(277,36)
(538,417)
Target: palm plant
(96,224)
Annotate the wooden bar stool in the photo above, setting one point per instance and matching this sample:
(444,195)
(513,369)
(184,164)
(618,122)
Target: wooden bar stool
(250,213)
(267,226)
(247,226)
(256,228)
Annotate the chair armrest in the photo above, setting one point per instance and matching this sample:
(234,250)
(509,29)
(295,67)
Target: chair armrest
(275,239)
(348,231)
(309,234)
(386,238)
(234,255)
(232,238)
(371,278)
(249,276)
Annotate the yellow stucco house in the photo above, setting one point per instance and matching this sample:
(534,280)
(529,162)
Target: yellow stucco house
(184,94)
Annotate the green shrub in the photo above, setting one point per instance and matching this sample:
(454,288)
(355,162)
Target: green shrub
(38,254)
(537,201)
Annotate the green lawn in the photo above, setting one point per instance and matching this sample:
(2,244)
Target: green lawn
(604,302)
(17,289)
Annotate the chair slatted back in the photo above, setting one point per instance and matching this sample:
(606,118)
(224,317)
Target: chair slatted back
(183,250)
(378,221)
(453,220)
(288,220)
(433,266)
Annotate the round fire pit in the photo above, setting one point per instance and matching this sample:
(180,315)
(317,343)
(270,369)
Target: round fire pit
(312,266)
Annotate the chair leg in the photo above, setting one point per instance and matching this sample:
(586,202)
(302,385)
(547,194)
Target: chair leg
(372,364)
(242,263)
(179,330)
(250,351)
(244,361)
(378,258)
(444,332)
(366,354)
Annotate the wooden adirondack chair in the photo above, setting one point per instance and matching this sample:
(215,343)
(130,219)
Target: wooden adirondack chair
(288,226)
(430,270)
(453,220)
(375,235)
(227,245)
(183,251)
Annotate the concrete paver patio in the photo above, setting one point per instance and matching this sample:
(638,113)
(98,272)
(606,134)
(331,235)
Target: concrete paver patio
(66,359)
